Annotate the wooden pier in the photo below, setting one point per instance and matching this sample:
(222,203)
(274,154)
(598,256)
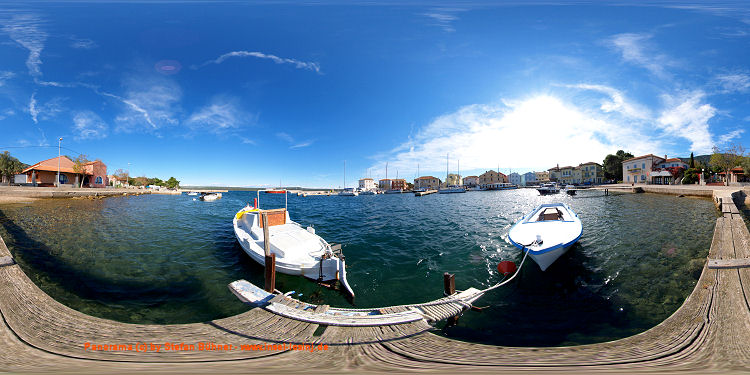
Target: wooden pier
(426,192)
(709,332)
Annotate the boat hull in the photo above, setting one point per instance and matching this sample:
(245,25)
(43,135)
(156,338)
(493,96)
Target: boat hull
(546,239)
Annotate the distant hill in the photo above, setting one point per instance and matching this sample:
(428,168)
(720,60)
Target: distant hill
(704,159)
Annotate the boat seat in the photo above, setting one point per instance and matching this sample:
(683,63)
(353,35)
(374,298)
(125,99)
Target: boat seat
(550,213)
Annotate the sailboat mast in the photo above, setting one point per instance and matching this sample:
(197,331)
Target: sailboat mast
(446,168)
(344,174)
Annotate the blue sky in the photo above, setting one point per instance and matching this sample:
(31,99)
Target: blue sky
(249,94)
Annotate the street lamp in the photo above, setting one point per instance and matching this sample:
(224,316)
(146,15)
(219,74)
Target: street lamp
(59,145)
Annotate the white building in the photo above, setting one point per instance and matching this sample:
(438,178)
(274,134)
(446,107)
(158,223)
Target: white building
(515,179)
(638,170)
(367,184)
(471,181)
(528,178)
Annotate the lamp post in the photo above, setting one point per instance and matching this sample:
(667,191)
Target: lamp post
(127,181)
(59,145)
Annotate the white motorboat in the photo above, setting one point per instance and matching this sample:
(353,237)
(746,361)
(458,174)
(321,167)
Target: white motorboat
(299,251)
(349,192)
(210,196)
(367,192)
(192,193)
(547,189)
(452,189)
(547,232)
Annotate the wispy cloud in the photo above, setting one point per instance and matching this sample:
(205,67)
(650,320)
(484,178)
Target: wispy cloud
(88,125)
(635,49)
(32,108)
(294,144)
(7,113)
(150,103)
(220,116)
(726,138)
(5,76)
(313,66)
(687,116)
(616,102)
(734,82)
(247,141)
(25,30)
(82,43)
(443,17)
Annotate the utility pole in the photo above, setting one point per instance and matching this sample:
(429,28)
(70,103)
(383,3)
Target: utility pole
(59,146)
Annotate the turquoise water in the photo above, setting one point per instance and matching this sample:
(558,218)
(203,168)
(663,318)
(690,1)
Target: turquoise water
(168,259)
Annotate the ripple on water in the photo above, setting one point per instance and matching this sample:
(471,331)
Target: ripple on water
(168,259)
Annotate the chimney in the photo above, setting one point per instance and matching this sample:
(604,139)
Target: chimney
(665,156)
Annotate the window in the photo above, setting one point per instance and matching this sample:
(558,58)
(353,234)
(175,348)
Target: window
(643,165)
(98,180)
(628,178)
(63,179)
(643,177)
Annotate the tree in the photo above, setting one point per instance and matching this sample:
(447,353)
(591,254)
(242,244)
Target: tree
(691,176)
(140,181)
(612,166)
(79,167)
(9,166)
(692,161)
(724,160)
(172,183)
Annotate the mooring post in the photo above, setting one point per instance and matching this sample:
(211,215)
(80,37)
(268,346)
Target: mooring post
(449,284)
(270,261)
(449,288)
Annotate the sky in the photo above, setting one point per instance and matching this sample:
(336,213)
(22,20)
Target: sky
(262,94)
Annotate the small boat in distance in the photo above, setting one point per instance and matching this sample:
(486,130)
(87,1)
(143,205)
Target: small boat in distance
(367,192)
(452,189)
(348,192)
(299,251)
(275,191)
(547,232)
(547,189)
(192,193)
(210,196)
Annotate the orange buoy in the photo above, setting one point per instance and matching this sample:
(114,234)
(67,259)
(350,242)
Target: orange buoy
(506,267)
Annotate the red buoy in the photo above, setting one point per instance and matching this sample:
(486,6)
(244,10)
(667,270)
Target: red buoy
(506,267)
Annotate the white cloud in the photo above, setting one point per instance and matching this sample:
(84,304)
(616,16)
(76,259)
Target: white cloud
(617,102)
(88,125)
(32,108)
(83,43)
(218,117)
(443,18)
(726,138)
(5,76)
(687,117)
(279,60)
(150,103)
(734,82)
(535,133)
(635,49)
(24,30)
(248,141)
(294,144)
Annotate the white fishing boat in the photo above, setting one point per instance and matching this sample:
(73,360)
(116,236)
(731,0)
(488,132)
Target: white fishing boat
(547,232)
(348,192)
(452,189)
(299,251)
(547,189)
(210,196)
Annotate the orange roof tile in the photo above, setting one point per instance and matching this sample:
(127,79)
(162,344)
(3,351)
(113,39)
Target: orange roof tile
(51,165)
(644,156)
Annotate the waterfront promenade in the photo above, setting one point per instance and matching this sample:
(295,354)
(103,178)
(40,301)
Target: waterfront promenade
(709,332)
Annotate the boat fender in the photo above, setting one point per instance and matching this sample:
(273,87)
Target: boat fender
(506,267)
(311,230)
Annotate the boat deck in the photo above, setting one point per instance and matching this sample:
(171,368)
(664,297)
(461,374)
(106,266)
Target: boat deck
(709,332)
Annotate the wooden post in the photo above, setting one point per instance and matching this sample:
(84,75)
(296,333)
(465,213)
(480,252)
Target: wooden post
(270,259)
(449,284)
(449,288)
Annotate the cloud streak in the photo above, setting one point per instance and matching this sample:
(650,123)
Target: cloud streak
(25,30)
(634,49)
(307,65)
(443,18)
(687,117)
(220,116)
(294,144)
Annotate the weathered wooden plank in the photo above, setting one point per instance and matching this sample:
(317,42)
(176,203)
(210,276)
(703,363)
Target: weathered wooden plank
(728,263)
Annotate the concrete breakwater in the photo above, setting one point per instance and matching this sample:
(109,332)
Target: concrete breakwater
(709,332)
